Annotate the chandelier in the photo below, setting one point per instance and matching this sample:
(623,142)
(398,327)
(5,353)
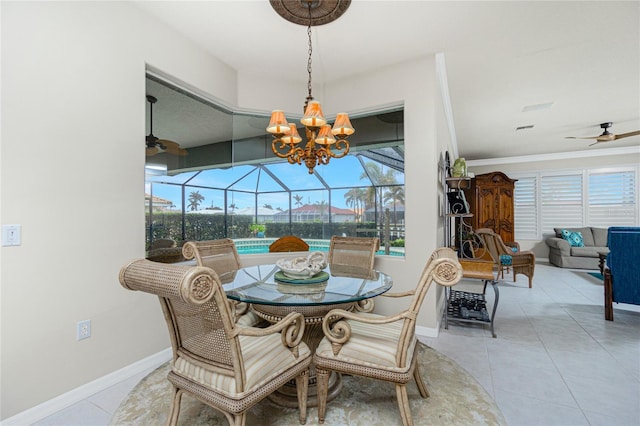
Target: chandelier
(323,141)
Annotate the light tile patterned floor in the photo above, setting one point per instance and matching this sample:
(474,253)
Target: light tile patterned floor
(555,360)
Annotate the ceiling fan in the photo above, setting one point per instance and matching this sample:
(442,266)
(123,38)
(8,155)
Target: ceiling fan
(156,145)
(606,136)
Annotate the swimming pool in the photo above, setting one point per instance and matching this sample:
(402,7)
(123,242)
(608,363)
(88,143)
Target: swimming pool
(261,245)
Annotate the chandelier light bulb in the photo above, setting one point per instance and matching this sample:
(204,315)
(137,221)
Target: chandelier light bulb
(313,116)
(292,136)
(342,126)
(278,123)
(324,136)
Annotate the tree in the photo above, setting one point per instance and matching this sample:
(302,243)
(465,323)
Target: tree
(322,207)
(298,199)
(233,207)
(195,198)
(268,206)
(395,194)
(373,172)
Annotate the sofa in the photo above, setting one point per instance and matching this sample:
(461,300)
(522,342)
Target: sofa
(579,248)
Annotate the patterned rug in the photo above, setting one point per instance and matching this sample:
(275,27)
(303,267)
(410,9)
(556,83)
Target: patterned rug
(456,399)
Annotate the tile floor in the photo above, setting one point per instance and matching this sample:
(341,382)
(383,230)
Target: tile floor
(555,360)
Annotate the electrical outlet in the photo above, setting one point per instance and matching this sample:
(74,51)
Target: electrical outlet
(83,329)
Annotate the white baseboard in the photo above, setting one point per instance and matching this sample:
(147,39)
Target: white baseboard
(427,331)
(78,394)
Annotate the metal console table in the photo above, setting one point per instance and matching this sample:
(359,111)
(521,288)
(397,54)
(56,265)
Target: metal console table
(470,307)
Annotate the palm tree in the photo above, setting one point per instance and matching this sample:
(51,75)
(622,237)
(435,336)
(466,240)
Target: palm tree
(322,207)
(351,198)
(195,198)
(379,178)
(298,199)
(396,195)
(233,207)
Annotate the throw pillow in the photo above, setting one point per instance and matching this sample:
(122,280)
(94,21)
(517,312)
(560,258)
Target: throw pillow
(506,260)
(574,238)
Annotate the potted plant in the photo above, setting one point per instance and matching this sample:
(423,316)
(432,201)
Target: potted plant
(257,230)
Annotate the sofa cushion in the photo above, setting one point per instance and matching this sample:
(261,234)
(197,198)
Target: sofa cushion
(574,238)
(600,236)
(585,251)
(587,235)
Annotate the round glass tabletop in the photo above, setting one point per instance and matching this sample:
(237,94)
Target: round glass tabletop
(258,285)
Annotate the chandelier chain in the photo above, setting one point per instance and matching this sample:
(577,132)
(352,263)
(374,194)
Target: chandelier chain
(310,97)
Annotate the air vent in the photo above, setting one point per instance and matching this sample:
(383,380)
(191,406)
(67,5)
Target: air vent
(537,107)
(530,126)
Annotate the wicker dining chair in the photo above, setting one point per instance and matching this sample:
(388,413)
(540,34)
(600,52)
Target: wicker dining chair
(222,256)
(521,262)
(228,367)
(288,243)
(381,347)
(359,252)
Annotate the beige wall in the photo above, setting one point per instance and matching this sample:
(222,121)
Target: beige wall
(72,174)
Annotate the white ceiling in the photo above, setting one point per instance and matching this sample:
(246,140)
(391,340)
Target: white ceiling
(501,56)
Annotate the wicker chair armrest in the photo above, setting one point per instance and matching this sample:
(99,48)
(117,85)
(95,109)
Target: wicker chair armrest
(191,284)
(338,331)
(290,327)
(513,244)
(403,294)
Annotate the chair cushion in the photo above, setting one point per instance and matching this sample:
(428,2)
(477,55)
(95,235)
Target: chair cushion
(264,357)
(250,319)
(372,345)
(506,260)
(574,238)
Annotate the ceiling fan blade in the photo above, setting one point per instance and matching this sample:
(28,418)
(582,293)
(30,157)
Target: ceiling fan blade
(152,151)
(626,135)
(172,147)
(597,142)
(582,137)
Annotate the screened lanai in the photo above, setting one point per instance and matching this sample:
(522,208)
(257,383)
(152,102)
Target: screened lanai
(235,187)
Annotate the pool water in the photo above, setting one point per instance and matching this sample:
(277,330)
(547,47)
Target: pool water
(261,245)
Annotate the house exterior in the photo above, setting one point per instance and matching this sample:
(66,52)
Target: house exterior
(315,212)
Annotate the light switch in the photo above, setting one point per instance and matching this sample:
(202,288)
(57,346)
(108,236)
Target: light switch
(11,235)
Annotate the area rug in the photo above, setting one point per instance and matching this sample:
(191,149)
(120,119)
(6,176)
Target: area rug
(596,275)
(455,398)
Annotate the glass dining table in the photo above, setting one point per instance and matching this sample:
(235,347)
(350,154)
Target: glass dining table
(272,299)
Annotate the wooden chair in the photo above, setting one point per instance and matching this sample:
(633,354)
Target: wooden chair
(221,256)
(227,366)
(522,262)
(288,243)
(381,347)
(358,252)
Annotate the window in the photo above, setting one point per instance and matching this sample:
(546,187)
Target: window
(561,201)
(230,184)
(612,198)
(525,208)
(571,199)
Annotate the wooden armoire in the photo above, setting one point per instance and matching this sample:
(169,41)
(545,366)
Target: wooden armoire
(490,198)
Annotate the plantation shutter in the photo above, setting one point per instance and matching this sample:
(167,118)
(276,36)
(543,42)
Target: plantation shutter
(561,201)
(526,209)
(612,199)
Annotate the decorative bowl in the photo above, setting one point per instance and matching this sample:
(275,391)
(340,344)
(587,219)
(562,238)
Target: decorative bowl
(303,267)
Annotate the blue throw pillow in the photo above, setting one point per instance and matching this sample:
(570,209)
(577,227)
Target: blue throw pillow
(506,260)
(574,238)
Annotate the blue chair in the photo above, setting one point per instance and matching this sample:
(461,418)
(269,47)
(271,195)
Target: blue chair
(622,272)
